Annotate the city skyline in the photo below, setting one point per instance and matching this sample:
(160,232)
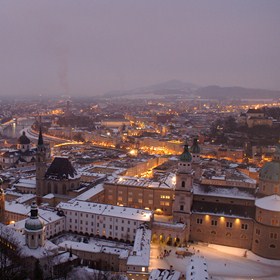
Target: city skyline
(91,47)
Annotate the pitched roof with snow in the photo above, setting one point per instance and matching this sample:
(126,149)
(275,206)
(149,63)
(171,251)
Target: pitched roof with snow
(107,210)
(61,168)
(141,249)
(271,203)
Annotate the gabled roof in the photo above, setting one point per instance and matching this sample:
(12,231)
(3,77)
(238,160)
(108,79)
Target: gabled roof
(61,168)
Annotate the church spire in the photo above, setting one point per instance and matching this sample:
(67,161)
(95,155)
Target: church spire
(40,138)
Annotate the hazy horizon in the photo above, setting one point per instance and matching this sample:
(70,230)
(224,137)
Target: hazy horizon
(89,47)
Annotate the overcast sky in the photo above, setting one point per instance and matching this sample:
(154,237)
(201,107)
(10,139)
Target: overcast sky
(89,47)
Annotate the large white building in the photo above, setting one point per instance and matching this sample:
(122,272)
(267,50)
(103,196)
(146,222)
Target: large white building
(95,219)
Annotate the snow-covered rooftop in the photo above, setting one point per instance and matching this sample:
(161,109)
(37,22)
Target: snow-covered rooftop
(271,203)
(91,192)
(26,197)
(222,192)
(45,215)
(106,210)
(19,241)
(26,183)
(166,183)
(94,248)
(141,249)
(18,208)
(164,274)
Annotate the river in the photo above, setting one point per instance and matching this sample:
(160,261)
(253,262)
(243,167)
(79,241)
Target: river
(14,130)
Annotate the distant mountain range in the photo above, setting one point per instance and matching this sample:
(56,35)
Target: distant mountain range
(179,88)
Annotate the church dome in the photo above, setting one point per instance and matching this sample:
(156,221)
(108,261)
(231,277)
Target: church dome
(23,139)
(186,155)
(34,223)
(271,171)
(195,149)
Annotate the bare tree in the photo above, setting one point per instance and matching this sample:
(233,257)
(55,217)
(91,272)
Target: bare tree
(10,265)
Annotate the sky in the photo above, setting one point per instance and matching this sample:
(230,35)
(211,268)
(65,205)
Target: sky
(88,47)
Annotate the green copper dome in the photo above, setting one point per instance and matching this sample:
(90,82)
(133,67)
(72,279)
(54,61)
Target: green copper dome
(34,223)
(195,149)
(271,171)
(186,155)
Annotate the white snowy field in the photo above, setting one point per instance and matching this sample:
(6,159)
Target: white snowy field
(224,263)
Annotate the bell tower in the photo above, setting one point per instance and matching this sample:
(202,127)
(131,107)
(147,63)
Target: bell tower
(196,163)
(183,189)
(41,165)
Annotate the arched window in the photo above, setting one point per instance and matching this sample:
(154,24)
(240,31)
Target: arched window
(183,184)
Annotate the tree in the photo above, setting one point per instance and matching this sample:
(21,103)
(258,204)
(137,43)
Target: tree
(10,265)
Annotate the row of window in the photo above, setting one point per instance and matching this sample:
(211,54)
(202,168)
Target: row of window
(272,235)
(101,220)
(215,223)
(273,222)
(90,230)
(228,234)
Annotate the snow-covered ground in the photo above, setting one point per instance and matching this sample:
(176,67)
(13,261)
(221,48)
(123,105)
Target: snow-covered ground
(224,263)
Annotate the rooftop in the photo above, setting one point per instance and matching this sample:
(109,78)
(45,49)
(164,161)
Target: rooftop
(271,203)
(107,210)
